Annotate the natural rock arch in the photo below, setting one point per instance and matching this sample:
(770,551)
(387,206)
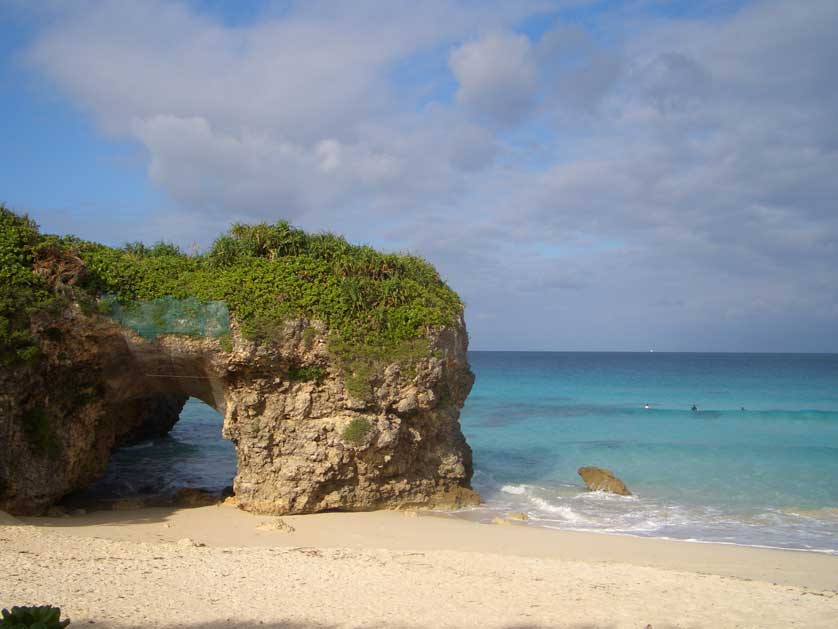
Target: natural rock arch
(100,386)
(100,346)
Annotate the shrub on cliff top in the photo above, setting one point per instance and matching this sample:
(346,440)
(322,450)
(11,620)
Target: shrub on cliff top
(21,291)
(264,273)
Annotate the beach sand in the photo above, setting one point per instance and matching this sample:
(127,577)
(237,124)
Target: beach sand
(396,569)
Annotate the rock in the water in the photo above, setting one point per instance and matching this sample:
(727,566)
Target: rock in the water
(276,524)
(501,521)
(599,479)
(517,515)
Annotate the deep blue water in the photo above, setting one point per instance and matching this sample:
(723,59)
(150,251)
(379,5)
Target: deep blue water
(765,475)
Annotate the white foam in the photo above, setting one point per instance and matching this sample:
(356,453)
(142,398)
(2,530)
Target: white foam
(563,511)
(517,490)
(604,495)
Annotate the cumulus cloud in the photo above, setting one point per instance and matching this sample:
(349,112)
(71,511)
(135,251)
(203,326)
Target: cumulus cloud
(289,114)
(667,184)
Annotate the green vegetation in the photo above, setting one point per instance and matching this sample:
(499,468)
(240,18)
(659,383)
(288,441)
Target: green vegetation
(378,306)
(225,342)
(22,293)
(360,363)
(357,430)
(269,273)
(311,373)
(308,337)
(45,617)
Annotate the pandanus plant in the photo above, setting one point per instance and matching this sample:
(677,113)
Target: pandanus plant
(44,617)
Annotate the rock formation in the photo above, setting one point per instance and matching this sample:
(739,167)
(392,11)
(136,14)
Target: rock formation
(340,370)
(99,385)
(598,479)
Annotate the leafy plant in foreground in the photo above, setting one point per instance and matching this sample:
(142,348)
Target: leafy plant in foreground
(44,617)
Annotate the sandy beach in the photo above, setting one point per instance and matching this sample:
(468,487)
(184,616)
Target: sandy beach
(395,569)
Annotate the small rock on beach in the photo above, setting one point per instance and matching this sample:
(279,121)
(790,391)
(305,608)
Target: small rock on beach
(277,524)
(188,542)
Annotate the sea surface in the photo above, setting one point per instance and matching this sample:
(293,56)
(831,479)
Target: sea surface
(755,464)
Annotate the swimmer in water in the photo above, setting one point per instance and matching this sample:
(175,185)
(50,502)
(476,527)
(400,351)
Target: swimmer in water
(694,408)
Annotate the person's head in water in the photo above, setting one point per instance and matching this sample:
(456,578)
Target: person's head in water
(694,408)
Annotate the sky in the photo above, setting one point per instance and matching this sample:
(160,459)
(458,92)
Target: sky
(604,176)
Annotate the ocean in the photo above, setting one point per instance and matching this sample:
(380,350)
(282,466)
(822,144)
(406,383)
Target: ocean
(755,464)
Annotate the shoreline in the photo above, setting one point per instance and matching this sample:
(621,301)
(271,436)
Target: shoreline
(395,569)
(226,526)
(534,522)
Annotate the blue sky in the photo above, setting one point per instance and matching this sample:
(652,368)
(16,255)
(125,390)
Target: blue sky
(588,175)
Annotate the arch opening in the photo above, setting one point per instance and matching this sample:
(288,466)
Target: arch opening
(186,464)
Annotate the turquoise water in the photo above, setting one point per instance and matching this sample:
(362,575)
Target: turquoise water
(193,454)
(766,475)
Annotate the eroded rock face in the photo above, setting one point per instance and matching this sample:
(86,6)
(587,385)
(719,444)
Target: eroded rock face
(99,386)
(599,479)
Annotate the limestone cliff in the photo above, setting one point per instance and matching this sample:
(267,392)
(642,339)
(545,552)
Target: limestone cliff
(99,385)
(340,370)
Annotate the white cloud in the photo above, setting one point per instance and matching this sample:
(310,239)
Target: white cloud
(686,162)
(290,115)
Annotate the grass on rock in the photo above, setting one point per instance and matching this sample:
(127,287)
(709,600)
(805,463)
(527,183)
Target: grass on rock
(357,430)
(378,306)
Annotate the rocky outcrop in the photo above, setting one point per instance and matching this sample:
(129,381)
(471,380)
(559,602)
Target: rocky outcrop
(304,443)
(598,479)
